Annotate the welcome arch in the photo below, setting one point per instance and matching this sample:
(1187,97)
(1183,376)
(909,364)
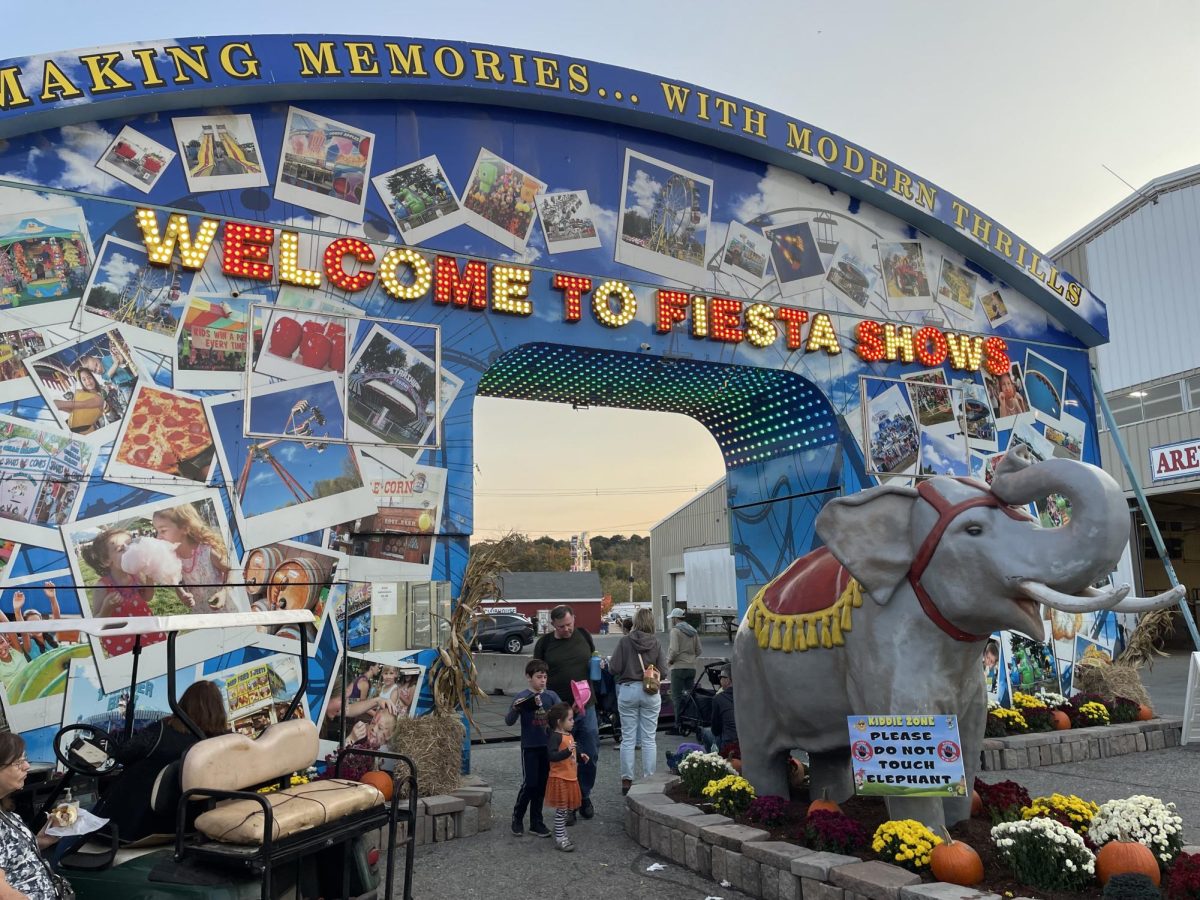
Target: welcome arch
(473,220)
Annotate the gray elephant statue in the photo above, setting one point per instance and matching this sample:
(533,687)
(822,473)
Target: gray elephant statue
(891,615)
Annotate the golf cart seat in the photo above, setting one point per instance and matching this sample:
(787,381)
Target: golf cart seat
(233,762)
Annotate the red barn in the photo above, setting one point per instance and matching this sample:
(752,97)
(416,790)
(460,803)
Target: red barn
(534,594)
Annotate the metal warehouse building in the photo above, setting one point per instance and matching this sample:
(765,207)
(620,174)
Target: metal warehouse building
(1140,256)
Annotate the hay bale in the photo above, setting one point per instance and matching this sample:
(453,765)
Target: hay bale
(1109,680)
(434,744)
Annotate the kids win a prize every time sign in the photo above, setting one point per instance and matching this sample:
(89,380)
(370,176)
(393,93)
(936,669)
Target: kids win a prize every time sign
(907,756)
(251,286)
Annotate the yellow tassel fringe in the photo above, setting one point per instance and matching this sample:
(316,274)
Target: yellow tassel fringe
(823,628)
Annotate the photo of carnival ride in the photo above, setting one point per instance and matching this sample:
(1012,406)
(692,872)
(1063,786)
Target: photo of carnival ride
(143,301)
(419,194)
(391,404)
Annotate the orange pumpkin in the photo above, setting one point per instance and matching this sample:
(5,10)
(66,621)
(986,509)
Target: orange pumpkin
(1123,858)
(1145,713)
(976,805)
(1061,720)
(956,863)
(822,804)
(382,781)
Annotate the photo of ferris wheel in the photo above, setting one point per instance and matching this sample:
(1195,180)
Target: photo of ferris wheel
(665,214)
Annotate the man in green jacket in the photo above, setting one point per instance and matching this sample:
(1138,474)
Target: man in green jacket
(683,653)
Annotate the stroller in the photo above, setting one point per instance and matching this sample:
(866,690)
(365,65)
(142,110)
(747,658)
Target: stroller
(696,708)
(608,717)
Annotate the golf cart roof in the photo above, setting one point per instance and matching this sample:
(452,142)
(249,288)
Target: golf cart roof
(123,625)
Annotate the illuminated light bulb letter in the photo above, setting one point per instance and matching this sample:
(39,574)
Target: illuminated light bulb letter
(161,249)
(995,356)
(699,317)
(792,320)
(510,290)
(626,304)
(760,325)
(966,351)
(870,346)
(335,257)
(470,288)
(930,346)
(898,343)
(669,307)
(246,249)
(573,288)
(821,336)
(289,263)
(724,318)
(422,274)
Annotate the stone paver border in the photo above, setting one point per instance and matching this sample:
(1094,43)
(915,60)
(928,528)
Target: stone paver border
(714,847)
(1031,751)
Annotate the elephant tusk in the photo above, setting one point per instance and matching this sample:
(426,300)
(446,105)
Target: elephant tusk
(1089,600)
(1148,604)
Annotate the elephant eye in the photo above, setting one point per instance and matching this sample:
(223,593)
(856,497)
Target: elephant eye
(974,530)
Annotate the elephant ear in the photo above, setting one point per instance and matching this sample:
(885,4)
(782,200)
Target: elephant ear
(868,533)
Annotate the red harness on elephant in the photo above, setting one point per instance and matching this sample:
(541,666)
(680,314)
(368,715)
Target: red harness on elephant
(810,604)
(947,512)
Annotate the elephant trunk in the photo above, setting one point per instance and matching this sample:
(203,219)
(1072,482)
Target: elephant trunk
(1070,558)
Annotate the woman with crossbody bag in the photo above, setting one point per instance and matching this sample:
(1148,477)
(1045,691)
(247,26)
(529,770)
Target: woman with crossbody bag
(639,666)
(23,870)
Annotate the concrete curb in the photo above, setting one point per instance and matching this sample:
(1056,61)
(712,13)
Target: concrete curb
(1031,751)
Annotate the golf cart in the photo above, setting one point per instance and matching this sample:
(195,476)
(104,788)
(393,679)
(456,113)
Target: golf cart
(243,830)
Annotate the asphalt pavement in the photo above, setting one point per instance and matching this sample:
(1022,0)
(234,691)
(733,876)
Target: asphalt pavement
(608,864)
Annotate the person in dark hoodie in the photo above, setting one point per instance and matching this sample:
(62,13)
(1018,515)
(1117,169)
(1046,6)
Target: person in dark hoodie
(636,652)
(683,655)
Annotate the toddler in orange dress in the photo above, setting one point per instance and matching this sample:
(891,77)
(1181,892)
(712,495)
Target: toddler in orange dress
(562,788)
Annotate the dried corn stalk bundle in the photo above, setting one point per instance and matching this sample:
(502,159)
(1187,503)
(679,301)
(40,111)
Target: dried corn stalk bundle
(1152,629)
(453,674)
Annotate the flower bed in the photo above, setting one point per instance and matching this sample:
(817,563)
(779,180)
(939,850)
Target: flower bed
(775,849)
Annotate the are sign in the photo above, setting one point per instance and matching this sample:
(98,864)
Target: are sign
(907,756)
(1174,460)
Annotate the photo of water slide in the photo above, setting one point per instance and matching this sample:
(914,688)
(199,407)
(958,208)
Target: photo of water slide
(219,152)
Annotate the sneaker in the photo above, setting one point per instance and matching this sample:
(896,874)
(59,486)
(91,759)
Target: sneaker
(518,829)
(587,810)
(626,784)
(565,846)
(539,831)
(571,817)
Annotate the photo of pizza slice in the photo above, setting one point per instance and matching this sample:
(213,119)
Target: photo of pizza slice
(167,432)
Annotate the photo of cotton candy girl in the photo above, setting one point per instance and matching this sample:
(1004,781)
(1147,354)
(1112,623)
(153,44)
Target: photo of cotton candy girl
(33,666)
(127,569)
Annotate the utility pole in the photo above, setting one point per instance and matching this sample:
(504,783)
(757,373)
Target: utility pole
(631,581)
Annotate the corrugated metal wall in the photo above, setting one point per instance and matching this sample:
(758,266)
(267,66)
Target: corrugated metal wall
(1146,268)
(702,522)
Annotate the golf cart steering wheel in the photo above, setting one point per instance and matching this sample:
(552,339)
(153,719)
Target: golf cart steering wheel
(83,749)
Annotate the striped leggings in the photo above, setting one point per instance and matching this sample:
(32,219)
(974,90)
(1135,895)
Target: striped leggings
(560,825)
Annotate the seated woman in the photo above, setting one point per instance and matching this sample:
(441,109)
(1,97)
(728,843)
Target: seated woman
(126,802)
(23,872)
